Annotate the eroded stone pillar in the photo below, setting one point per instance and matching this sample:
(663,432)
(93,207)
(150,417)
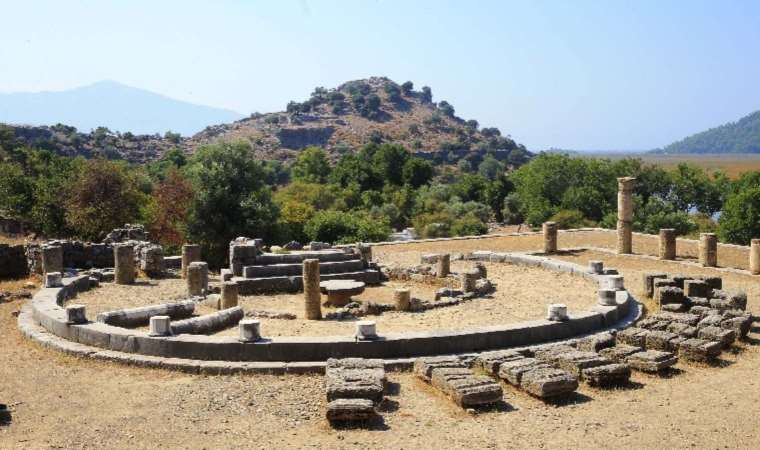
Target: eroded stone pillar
(667,243)
(197,279)
(443,265)
(229,296)
(52,259)
(365,253)
(708,249)
(250,330)
(311,294)
(402,299)
(550,237)
(469,280)
(754,257)
(625,215)
(190,254)
(557,312)
(124,264)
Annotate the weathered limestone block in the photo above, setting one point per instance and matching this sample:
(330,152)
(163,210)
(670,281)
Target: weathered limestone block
(152,260)
(366,330)
(632,336)
(52,259)
(699,301)
(620,352)
(701,310)
(311,292)
(596,267)
(667,243)
(708,249)
(402,299)
(735,299)
(431,258)
(699,350)
(675,307)
(197,279)
(229,296)
(53,279)
(550,237)
(490,362)
(689,319)
(355,378)
(653,323)
(249,330)
(350,409)
(661,340)
(651,360)
(190,254)
(607,297)
(710,320)
(443,267)
(754,257)
(576,362)
(548,382)
(209,323)
(557,312)
(714,282)
(225,274)
(76,314)
(423,367)
(365,253)
(466,389)
(469,280)
(682,329)
(697,288)
(725,337)
(550,353)
(740,325)
(649,279)
(596,342)
(512,371)
(124,264)
(607,375)
(481,269)
(160,326)
(668,294)
(133,317)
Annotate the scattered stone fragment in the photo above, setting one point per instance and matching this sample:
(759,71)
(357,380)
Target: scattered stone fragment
(512,371)
(726,337)
(350,409)
(607,375)
(423,367)
(651,360)
(620,352)
(355,378)
(699,350)
(548,382)
(490,362)
(739,321)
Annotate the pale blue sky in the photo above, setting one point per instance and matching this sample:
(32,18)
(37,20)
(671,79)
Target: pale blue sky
(572,74)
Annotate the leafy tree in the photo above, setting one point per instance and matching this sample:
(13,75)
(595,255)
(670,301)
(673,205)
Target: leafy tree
(692,188)
(103,195)
(427,94)
(174,138)
(472,124)
(231,198)
(490,168)
(311,166)
(446,108)
(407,87)
(416,172)
(740,219)
(470,188)
(169,208)
(512,211)
(16,191)
(343,227)
(570,218)
(389,160)
(50,190)
(393,91)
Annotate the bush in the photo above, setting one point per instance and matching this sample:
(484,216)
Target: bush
(657,214)
(346,227)
(468,225)
(740,220)
(570,218)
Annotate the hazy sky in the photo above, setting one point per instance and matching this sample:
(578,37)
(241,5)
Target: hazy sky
(573,74)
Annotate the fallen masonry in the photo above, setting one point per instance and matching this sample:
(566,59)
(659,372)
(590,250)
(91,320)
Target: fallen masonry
(699,350)
(548,382)
(651,360)
(607,375)
(465,388)
(350,409)
(355,378)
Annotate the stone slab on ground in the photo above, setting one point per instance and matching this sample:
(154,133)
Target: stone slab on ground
(682,329)
(512,371)
(607,375)
(355,378)
(577,361)
(596,342)
(548,382)
(423,367)
(699,350)
(350,409)
(490,362)
(651,360)
(465,388)
(620,352)
(661,340)
(632,336)
(718,334)
(550,353)
(689,319)
(740,325)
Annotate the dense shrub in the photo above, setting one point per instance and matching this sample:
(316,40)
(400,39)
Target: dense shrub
(346,227)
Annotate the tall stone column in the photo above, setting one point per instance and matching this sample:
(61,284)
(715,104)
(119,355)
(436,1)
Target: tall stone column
(708,249)
(124,264)
(625,215)
(229,297)
(443,265)
(754,257)
(667,243)
(52,259)
(197,279)
(550,237)
(311,294)
(190,254)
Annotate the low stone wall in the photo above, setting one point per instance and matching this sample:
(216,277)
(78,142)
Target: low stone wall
(47,310)
(13,261)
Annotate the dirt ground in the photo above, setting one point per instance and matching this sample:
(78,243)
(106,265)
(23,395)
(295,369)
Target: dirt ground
(57,401)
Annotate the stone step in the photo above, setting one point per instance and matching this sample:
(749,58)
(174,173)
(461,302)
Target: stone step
(279,270)
(297,258)
(252,286)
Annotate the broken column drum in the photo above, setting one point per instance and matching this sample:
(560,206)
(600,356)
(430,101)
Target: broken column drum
(124,264)
(190,254)
(444,265)
(311,291)
(667,243)
(229,297)
(52,259)
(197,279)
(754,257)
(708,249)
(550,237)
(469,280)
(625,215)
(402,299)
(365,253)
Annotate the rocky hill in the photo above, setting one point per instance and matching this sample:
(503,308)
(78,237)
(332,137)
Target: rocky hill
(339,120)
(742,136)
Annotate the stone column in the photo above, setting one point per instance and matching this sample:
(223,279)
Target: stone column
(160,326)
(250,330)
(197,279)
(625,215)
(75,314)
(667,243)
(708,249)
(124,264)
(366,330)
(444,265)
(312,296)
(557,312)
(365,252)
(52,259)
(229,297)
(402,299)
(469,280)
(190,254)
(754,257)
(550,237)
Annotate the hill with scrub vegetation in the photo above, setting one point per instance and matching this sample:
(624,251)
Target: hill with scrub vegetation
(742,136)
(339,120)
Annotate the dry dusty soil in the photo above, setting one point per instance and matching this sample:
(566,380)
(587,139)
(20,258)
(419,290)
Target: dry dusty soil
(58,401)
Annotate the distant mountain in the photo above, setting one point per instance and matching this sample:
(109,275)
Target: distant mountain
(112,105)
(742,136)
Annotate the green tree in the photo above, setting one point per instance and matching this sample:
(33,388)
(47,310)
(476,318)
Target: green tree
(740,220)
(343,227)
(16,191)
(388,160)
(417,172)
(490,168)
(311,166)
